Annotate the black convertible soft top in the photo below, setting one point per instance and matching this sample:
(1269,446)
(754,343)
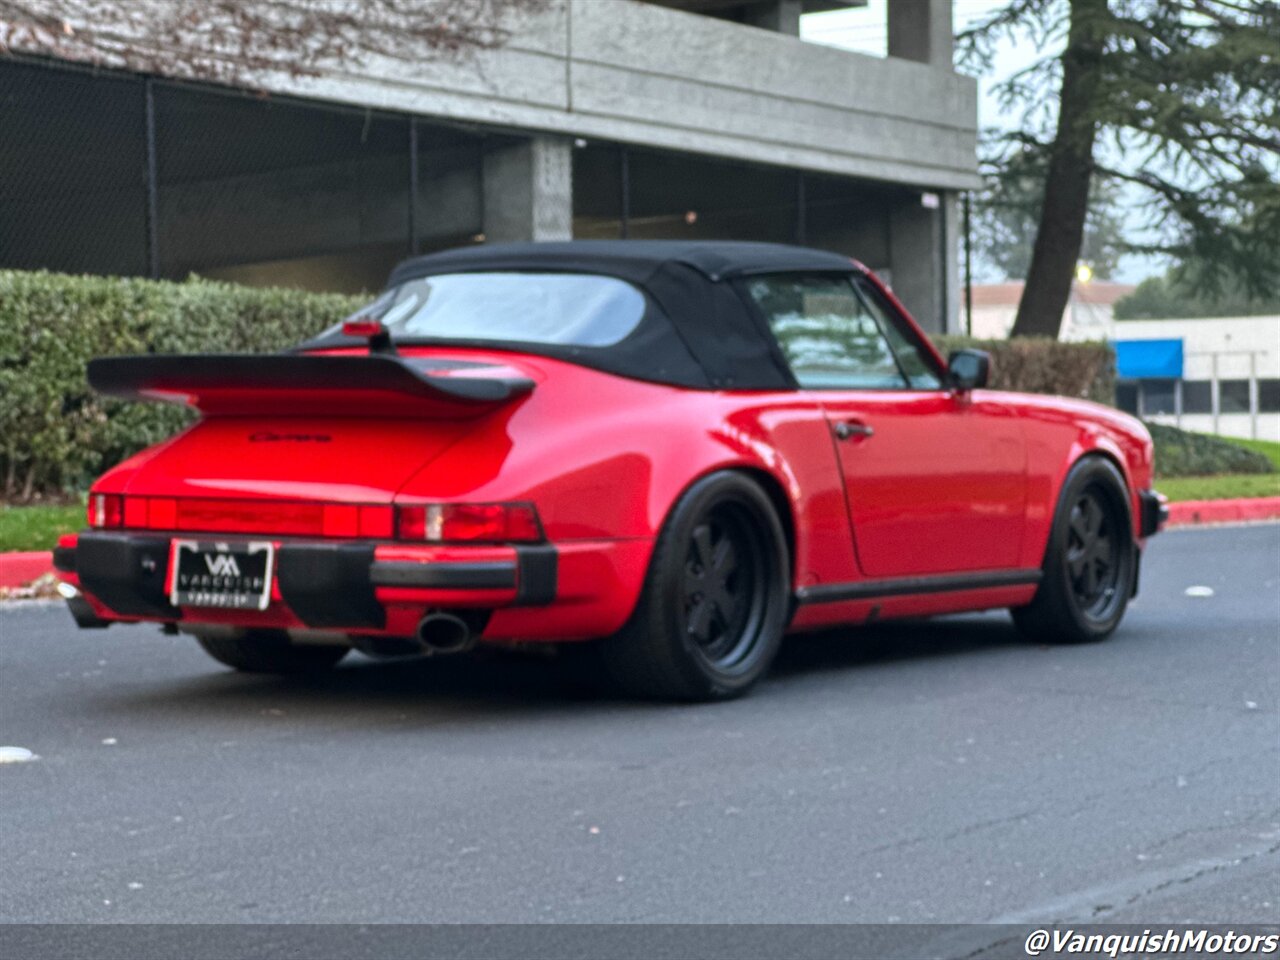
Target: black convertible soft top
(698,330)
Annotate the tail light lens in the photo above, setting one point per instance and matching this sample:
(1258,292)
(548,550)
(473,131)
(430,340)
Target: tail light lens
(106,510)
(423,523)
(468,523)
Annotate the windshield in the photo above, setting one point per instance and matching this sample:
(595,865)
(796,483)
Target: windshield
(581,310)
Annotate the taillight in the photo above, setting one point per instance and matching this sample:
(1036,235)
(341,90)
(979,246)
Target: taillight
(468,523)
(106,510)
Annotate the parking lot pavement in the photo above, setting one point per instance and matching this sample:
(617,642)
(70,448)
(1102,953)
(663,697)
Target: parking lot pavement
(915,772)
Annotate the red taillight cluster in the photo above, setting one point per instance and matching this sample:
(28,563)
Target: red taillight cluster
(468,522)
(422,523)
(106,510)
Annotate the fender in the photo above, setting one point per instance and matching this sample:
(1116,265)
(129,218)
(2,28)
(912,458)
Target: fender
(1046,476)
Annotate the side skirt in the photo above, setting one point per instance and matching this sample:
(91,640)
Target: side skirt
(906,586)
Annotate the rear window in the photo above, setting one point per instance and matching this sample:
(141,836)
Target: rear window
(571,309)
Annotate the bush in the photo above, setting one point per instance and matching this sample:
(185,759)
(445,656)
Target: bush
(1180,453)
(56,434)
(1041,365)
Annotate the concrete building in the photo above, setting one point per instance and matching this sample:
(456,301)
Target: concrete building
(1216,375)
(1212,375)
(684,118)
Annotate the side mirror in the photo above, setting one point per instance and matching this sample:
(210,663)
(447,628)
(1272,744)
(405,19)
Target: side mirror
(969,369)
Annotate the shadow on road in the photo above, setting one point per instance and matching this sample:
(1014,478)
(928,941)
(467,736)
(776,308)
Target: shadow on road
(900,641)
(495,684)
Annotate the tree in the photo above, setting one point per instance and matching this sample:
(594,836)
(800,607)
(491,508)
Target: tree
(1179,293)
(234,41)
(1007,210)
(1177,98)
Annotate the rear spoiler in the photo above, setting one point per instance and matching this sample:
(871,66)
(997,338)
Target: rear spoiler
(234,382)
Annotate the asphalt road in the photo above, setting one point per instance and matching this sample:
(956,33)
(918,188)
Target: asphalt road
(931,772)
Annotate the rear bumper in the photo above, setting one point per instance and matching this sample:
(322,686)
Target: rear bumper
(571,590)
(1153,512)
(317,584)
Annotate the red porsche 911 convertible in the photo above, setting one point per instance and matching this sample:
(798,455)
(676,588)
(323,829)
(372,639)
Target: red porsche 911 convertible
(682,450)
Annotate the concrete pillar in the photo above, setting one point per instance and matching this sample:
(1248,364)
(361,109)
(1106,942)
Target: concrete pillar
(924,260)
(921,30)
(782,16)
(952,281)
(528,191)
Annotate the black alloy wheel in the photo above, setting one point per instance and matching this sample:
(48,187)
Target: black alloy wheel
(1090,560)
(724,585)
(1093,553)
(715,601)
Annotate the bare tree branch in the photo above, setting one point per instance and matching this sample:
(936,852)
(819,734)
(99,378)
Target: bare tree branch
(234,42)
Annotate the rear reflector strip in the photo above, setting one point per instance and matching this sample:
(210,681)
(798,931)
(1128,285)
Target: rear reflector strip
(430,523)
(283,518)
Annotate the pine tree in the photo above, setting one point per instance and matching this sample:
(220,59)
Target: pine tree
(1177,98)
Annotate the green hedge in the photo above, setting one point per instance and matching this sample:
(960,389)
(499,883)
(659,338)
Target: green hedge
(1181,453)
(1042,365)
(55,434)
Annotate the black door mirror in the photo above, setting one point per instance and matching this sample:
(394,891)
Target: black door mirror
(969,369)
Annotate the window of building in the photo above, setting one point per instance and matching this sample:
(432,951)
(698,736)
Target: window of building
(1159,396)
(1269,396)
(1127,396)
(1197,396)
(1233,396)
(828,334)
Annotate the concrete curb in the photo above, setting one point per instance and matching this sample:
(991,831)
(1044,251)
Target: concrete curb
(1191,512)
(19,569)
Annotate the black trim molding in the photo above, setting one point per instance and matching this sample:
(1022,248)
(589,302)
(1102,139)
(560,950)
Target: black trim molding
(496,575)
(539,573)
(1154,514)
(906,586)
(64,559)
(327,584)
(127,573)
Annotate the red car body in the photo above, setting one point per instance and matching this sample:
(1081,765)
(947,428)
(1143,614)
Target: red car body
(939,500)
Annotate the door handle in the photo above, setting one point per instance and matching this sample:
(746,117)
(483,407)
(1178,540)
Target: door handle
(853,428)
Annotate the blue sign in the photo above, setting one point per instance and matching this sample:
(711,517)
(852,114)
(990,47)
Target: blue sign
(1149,359)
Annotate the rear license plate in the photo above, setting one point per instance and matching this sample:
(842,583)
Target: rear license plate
(230,576)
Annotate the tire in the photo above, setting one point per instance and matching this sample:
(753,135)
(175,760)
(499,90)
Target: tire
(269,651)
(715,601)
(1089,563)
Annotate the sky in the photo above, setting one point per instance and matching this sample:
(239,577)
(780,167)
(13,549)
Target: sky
(863,29)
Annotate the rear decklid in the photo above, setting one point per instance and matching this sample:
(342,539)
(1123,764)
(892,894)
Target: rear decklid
(303,428)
